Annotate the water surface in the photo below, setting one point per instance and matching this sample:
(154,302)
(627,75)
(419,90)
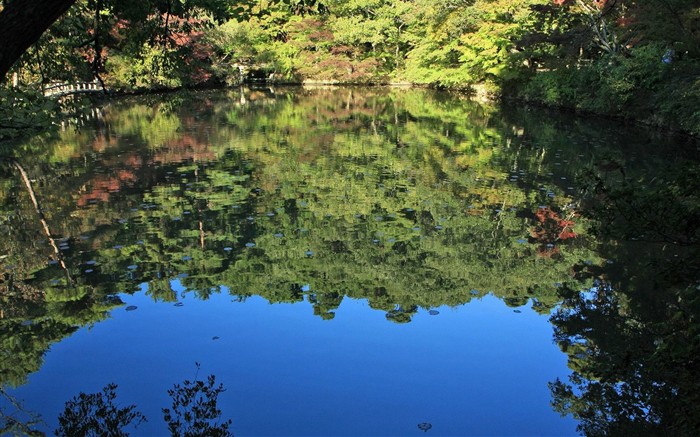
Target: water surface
(345,261)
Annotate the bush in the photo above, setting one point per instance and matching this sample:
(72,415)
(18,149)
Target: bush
(639,85)
(153,69)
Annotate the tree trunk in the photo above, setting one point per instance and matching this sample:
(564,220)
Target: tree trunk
(21,25)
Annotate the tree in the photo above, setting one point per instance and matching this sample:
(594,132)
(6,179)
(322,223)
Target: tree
(22,24)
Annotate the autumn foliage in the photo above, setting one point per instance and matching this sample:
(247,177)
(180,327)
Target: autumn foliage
(550,229)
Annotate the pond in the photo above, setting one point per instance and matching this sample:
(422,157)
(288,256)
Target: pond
(347,261)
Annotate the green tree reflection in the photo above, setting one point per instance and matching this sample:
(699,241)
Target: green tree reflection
(408,199)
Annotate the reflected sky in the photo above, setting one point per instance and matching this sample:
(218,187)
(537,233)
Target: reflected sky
(478,369)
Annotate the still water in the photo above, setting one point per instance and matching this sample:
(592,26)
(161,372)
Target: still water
(344,261)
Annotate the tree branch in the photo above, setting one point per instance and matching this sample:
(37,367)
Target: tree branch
(22,23)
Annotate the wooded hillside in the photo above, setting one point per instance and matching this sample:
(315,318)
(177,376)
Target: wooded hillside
(616,57)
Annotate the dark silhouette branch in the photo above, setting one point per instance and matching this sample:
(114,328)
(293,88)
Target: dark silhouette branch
(22,23)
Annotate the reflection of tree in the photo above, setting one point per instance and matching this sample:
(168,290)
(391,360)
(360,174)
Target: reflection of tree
(41,217)
(630,375)
(400,314)
(24,346)
(399,198)
(550,229)
(633,340)
(15,420)
(194,412)
(95,414)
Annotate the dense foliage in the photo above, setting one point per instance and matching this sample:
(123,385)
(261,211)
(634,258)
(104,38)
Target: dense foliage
(622,58)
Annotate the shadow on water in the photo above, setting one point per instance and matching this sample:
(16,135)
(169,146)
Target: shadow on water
(408,200)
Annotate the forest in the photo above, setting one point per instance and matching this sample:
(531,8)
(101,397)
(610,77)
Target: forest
(403,189)
(617,58)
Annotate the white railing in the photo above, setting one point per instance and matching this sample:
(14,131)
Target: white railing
(63,89)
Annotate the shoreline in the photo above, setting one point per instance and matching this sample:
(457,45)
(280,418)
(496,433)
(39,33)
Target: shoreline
(478,92)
